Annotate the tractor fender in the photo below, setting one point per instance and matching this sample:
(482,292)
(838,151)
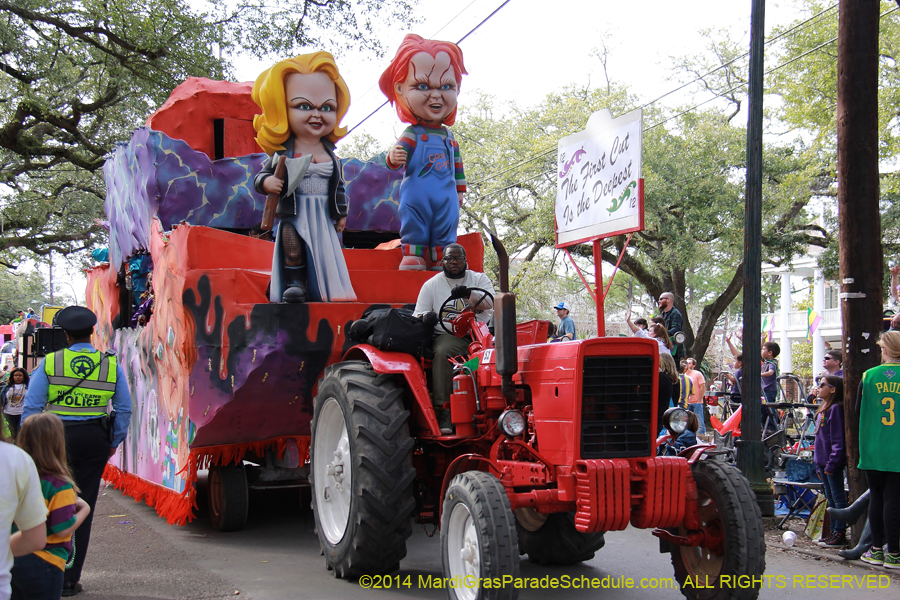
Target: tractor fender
(461,464)
(695,453)
(408,367)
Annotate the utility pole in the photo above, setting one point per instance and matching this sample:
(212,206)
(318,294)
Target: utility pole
(751,458)
(861,253)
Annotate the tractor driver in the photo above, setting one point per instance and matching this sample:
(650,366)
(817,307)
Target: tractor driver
(454,281)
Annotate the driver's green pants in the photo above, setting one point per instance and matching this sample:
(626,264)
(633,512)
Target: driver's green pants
(445,346)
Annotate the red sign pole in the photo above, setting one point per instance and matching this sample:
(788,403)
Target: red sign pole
(598,284)
(580,274)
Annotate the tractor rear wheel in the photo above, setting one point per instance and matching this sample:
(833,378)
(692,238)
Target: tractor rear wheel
(361,470)
(557,542)
(728,506)
(478,538)
(229,497)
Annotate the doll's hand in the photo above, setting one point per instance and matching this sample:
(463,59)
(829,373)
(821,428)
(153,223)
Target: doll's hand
(398,156)
(273,185)
(460,198)
(895,270)
(340,224)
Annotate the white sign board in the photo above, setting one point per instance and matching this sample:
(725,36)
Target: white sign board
(599,186)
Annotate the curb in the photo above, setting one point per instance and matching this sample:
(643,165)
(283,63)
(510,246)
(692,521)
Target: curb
(835,558)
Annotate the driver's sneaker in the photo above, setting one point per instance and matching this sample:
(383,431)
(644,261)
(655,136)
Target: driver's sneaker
(444,422)
(873,556)
(891,561)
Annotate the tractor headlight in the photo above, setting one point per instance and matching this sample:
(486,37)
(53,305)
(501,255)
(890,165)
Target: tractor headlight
(512,423)
(676,420)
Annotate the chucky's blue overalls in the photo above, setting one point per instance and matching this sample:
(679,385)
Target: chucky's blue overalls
(429,204)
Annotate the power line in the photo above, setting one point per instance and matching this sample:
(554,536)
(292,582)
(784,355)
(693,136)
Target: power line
(745,55)
(716,97)
(719,94)
(453,19)
(433,35)
(515,166)
(551,149)
(471,31)
(512,185)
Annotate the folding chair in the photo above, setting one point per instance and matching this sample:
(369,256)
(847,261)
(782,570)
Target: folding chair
(799,496)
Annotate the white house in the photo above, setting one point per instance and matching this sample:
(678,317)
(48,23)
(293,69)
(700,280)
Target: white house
(791,325)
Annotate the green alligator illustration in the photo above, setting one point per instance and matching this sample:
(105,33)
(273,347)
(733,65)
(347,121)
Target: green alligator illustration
(618,202)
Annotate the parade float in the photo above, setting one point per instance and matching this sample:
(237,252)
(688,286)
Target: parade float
(548,447)
(222,379)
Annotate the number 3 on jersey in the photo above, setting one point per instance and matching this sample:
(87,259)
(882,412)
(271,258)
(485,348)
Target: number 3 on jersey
(889,409)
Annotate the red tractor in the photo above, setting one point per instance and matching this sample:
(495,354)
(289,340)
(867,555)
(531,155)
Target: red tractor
(554,445)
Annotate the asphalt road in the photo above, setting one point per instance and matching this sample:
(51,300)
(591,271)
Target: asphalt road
(135,555)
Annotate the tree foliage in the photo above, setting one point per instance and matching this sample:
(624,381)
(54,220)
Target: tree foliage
(20,292)
(77,76)
(692,243)
(805,81)
(694,169)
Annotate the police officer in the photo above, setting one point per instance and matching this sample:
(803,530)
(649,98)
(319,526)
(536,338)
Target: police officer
(79,384)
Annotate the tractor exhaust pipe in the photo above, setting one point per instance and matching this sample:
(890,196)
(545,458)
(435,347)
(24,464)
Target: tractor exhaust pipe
(507,360)
(503,260)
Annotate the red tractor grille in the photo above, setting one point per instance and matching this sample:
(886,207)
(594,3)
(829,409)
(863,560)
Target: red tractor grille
(616,407)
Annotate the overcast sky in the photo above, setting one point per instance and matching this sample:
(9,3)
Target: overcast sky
(530,48)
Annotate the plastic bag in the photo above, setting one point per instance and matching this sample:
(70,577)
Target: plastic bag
(816,523)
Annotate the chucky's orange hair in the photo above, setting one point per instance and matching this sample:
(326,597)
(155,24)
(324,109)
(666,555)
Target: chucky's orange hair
(399,69)
(272,127)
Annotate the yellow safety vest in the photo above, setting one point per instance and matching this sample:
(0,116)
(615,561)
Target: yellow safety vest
(78,385)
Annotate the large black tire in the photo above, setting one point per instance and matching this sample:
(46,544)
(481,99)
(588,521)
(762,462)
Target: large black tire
(725,502)
(557,542)
(229,498)
(361,470)
(478,537)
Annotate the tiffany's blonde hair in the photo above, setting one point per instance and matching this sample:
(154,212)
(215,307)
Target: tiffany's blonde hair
(272,127)
(890,341)
(43,437)
(667,366)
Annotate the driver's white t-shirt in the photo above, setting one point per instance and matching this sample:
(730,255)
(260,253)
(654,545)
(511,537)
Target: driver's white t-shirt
(437,289)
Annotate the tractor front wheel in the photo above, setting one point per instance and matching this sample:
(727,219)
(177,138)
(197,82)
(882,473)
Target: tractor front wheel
(557,542)
(727,508)
(479,545)
(361,470)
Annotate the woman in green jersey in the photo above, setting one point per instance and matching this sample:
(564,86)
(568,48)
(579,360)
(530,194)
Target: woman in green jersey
(878,403)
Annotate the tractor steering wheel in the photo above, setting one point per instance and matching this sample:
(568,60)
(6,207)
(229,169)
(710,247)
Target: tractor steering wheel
(452,330)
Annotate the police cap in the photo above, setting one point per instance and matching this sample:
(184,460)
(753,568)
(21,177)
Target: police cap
(76,318)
